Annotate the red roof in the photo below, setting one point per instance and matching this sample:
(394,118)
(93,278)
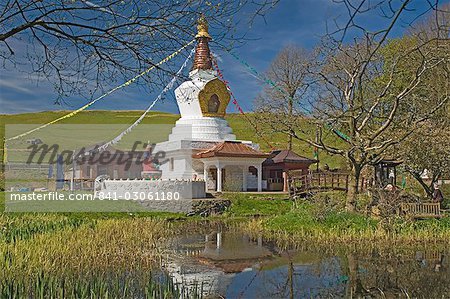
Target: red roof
(231,149)
(287,156)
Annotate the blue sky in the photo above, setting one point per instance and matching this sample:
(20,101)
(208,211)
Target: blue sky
(300,22)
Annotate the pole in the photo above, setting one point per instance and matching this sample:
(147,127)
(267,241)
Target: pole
(317,149)
(73,172)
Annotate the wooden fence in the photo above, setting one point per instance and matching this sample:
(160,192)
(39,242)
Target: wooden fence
(317,181)
(300,184)
(421,210)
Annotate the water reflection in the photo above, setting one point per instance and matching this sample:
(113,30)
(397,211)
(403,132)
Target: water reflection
(232,265)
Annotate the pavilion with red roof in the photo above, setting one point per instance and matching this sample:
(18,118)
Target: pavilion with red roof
(234,162)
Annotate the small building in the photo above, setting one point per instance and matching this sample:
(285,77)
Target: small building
(275,168)
(232,163)
(385,172)
(116,164)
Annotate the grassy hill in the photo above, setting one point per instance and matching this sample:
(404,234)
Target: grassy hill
(238,123)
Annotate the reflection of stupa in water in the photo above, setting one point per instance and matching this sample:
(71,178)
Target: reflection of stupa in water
(233,253)
(215,260)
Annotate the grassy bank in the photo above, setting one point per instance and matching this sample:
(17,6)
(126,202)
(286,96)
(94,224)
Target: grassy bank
(329,223)
(301,225)
(320,219)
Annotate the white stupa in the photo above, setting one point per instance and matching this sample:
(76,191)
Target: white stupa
(202,153)
(202,143)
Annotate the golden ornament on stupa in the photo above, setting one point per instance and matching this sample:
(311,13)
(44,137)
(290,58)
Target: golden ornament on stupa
(202,27)
(202,58)
(213,96)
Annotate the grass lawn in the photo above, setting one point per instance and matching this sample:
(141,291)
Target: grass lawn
(245,204)
(237,122)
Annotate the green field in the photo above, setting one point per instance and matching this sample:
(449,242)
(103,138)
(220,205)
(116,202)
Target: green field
(240,125)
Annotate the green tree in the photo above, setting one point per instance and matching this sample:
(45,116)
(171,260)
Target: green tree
(427,151)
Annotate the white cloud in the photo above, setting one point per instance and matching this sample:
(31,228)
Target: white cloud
(15,84)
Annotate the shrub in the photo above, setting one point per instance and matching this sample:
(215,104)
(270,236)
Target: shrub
(332,199)
(256,205)
(363,202)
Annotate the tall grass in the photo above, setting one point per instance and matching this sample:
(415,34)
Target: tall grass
(24,226)
(53,256)
(147,285)
(108,245)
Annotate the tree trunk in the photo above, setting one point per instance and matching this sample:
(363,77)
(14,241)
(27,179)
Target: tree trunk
(428,190)
(353,189)
(290,113)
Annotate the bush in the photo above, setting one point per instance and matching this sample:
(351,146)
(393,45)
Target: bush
(445,188)
(331,199)
(348,220)
(364,202)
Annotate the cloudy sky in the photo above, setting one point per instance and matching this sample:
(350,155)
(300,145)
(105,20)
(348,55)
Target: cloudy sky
(300,22)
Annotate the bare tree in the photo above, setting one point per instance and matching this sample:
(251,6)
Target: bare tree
(369,91)
(289,71)
(83,45)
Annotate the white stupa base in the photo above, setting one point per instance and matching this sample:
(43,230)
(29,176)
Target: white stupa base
(202,128)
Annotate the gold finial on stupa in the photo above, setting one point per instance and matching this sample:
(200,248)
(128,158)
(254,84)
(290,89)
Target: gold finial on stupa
(202,27)
(202,57)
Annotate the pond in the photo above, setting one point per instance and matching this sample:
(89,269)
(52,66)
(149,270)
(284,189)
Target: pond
(226,263)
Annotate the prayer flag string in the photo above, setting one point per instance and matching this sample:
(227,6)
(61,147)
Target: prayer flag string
(328,125)
(168,87)
(103,95)
(236,104)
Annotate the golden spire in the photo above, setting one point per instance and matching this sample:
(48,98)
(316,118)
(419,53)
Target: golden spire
(202,58)
(202,27)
